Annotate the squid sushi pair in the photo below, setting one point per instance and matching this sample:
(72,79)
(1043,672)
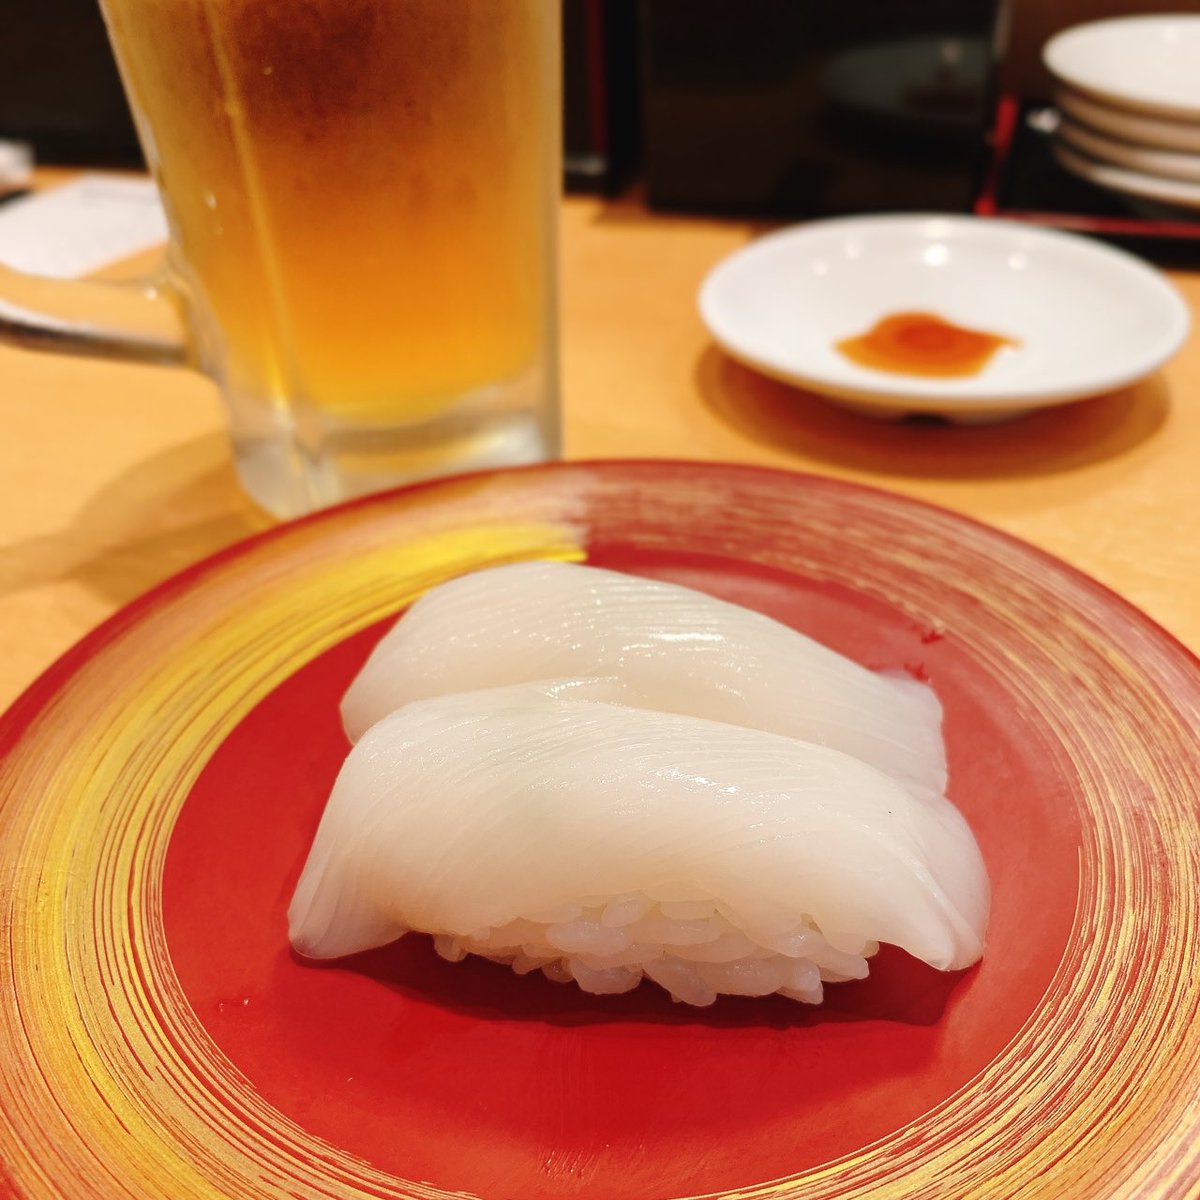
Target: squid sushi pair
(608,778)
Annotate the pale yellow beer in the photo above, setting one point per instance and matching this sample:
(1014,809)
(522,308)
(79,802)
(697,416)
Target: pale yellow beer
(357,191)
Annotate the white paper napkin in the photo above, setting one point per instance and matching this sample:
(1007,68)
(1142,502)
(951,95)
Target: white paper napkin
(81,226)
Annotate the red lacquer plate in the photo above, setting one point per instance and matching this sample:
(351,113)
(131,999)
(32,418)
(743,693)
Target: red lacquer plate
(160,786)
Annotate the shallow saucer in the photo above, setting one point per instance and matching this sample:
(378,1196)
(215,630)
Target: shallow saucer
(1170,166)
(1144,63)
(1177,192)
(1154,133)
(1084,318)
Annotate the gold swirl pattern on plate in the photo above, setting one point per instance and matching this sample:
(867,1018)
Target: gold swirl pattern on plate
(112,1088)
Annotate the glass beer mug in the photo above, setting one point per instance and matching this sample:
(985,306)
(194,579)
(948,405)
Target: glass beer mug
(362,201)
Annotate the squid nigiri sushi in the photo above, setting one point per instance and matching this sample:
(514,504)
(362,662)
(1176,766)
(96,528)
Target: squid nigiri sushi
(673,649)
(603,844)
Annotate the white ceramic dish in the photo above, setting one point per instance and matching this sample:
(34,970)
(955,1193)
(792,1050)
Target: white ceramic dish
(1165,163)
(1088,318)
(1147,63)
(1156,132)
(1132,183)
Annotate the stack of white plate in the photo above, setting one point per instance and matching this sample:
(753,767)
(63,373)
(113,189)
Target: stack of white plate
(1128,94)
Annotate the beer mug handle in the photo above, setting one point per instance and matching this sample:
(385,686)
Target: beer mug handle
(136,321)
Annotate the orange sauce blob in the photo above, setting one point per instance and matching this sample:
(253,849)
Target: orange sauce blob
(921,343)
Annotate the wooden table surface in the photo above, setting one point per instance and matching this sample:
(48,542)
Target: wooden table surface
(113,477)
